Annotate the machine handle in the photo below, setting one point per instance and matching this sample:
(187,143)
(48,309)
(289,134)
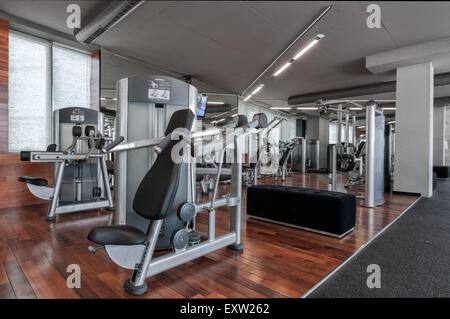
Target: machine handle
(116,142)
(161,146)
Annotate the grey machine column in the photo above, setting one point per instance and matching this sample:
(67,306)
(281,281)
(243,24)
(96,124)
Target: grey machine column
(236,191)
(347,129)
(145,105)
(374,185)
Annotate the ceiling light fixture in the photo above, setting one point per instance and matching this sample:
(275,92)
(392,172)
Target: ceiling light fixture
(215,103)
(307,108)
(389,108)
(391,122)
(284,67)
(258,89)
(361,126)
(355,108)
(299,54)
(309,46)
(280,108)
(248,97)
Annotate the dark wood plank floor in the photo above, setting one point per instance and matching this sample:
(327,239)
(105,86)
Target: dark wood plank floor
(277,261)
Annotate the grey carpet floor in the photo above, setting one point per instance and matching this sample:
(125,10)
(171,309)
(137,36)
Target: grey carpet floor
(413,255)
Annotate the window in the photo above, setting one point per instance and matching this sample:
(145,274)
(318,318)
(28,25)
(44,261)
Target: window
(71,78)
(34,66)
(29,94)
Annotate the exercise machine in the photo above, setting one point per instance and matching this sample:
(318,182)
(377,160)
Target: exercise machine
(166,196)
(80,175)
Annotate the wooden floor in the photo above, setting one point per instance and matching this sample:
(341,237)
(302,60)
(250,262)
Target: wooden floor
(277,261)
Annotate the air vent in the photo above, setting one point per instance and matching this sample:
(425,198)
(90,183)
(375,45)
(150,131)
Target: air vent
(106,20)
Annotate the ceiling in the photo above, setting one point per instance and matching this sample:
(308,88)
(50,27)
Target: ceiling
(227,44)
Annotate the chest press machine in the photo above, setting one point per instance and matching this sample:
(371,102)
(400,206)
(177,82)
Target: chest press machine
(166,199)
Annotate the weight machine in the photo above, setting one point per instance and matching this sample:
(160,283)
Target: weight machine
(81,179)
(165,199)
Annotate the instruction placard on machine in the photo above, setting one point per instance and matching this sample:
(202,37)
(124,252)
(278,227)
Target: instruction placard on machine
(77,116)
(159,89)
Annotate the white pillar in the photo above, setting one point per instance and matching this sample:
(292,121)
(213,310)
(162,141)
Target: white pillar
(439,136)
(414,129)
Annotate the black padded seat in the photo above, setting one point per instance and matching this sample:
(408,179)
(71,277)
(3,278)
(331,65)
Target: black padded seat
(442,171)
(117,235)
(324,211)
(33,180)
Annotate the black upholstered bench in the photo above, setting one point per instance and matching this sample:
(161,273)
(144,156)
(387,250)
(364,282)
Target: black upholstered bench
(326,212)
(442,171)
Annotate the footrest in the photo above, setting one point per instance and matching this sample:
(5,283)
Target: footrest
(117,235)
(33,180)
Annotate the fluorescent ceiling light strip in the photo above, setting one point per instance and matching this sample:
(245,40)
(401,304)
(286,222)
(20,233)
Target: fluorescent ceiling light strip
(280,108)
(248,97)
(389,108)
(307,108)
(391,122)
(355,108)
(215,103)
(258,89)
(284,67)
(309,46)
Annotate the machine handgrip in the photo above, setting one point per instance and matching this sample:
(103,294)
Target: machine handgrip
(166,140)
(116,142)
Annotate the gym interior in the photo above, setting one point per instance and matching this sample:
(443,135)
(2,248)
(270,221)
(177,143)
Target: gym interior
(239,149)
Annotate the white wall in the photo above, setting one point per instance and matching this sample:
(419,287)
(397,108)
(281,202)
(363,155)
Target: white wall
(439,120)
(447,136)
(414,129)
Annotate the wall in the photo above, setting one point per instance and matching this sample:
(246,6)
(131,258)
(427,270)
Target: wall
(439,136)
(447,136)
(414,130)
(4,56)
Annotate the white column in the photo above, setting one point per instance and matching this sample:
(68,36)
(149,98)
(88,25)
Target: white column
(414,129)
(439,136)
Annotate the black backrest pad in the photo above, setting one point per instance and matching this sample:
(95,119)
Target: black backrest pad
(360,149)
(179,119)
(158,188)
